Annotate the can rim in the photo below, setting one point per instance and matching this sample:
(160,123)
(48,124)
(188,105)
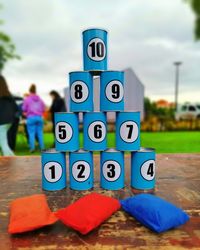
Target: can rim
(50,151)
(91,112)
(112,150)
(143,150)
(81,150)
(79,71)
(94,29)
(68,112)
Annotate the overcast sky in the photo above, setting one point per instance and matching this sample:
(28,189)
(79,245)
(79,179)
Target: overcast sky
(146,35)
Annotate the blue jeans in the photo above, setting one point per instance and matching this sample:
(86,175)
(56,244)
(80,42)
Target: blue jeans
(35,127)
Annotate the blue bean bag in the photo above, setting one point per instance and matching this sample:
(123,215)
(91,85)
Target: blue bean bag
(153,212)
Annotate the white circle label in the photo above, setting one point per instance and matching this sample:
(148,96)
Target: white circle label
(114,91)
(96,49)
(129,131)
(52,171)
(148,170)
(64,132)
(97,131)
(111,170)
(79,91)
(81,171)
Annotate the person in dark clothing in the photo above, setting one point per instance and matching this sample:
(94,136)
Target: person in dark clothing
(58,105)
(8,109)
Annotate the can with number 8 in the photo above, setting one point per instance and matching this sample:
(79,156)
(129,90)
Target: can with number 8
(94,131)
(112,169)
(95,50)
(81,91)
(66,132)
(81,170)
(112,91)
(128,131)
(53,170)
(143,170)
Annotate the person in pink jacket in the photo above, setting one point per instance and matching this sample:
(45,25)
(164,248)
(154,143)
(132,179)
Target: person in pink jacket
(33,107)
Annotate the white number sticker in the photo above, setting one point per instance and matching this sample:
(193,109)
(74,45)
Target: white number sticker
(148,170)
(97,131)
(129,131)
(63,131)
(52,171)
(96,49)
(79,91)
(81,171)
(111,170)
(114,91)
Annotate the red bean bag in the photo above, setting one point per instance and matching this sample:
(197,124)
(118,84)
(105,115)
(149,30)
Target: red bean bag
(88,212)
(29,213)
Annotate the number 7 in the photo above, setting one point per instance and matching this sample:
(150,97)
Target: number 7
(130,130)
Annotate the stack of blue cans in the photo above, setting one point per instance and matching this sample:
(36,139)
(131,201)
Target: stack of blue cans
(112,162)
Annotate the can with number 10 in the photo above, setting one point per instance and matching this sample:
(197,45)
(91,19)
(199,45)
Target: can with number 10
(95,50)
(53,170)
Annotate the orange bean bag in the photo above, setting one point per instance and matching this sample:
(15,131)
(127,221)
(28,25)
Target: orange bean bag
(29,213)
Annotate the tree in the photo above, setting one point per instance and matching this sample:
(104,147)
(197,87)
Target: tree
(195,5)
(7,49)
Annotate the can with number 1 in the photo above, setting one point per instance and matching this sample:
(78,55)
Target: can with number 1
(53,170)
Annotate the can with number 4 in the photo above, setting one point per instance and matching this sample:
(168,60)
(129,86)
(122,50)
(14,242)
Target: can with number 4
(112,91)
(53,170)
(128,131)
(66,132)
(81,91)
(94,131)
(81,170)
(95,50)
(143,170)
(112,169)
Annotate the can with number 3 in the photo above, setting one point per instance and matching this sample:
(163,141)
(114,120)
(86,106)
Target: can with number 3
(95,50)
(143,170)
(53,170)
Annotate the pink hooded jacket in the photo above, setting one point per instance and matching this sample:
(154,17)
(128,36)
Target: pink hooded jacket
(33,105)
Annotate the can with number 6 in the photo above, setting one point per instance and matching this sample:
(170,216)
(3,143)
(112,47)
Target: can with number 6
(143,170)
(112,169)
(95,50)
(53,170)
(66,132)
(81,91)
(128,131)
(81,170)
(112,91)
(94,131)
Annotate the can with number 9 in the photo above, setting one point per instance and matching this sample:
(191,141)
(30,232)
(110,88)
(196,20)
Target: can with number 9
(112,169)
(66,132)
(128,131)
(53,170)
(112,91)
(95,50)
(143,170)
(81,170)
(94,131)
(81,91)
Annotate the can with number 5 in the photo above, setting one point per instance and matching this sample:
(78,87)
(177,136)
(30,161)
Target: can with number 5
(81,170)
(112,91)
(128,131)
(66,132)
(112,169)
(95,50)
(53,170)
(143,170)
(94,131)
(81,91)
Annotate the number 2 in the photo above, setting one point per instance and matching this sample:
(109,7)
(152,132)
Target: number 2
(82,169)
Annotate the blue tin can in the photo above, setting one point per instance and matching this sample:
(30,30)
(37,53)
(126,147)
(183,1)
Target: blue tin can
(95,50)
(143,169)
(94,131)
(112,169)
(81,91)
(81,172)
(66,132)
(128,131)
(112,91)
(53,170)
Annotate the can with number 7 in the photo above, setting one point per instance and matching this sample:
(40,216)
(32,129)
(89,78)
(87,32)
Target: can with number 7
(95,50)
(128,131)
(66,131)
(53,170)
(143,170)
(112,169)
(94,131)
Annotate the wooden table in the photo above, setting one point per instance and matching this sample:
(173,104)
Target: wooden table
(178,181)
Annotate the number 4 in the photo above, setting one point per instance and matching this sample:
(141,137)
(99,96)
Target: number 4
(150,170)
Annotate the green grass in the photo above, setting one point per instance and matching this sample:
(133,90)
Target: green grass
(163,142)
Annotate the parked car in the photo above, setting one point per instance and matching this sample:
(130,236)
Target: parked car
(188,111)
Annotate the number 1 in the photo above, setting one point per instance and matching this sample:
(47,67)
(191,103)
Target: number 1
(53,172)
